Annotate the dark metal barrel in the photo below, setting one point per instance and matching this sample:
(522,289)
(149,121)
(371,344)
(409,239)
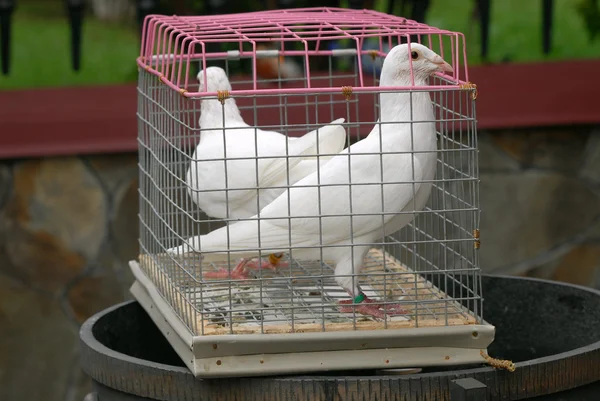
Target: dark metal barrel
(550,330)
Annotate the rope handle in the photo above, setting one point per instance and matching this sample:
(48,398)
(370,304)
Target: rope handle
(498,363)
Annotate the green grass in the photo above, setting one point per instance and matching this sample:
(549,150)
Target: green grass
(516,30)
(41,47)
(41,50)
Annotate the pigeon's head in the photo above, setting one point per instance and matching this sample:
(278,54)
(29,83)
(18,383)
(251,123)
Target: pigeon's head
(425,62)
(216,79)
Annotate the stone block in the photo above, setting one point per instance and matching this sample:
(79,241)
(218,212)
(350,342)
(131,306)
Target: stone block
(558,148)
(492,157)
(53,223)
(115,171)
(579,266)
(38,344)
(5,183)
(125,224)
(591,156)
(80,384)
(91,294)
(526,214)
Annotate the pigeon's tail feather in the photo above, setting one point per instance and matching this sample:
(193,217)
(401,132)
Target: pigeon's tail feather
(301,170)
(330,138)
(240,239)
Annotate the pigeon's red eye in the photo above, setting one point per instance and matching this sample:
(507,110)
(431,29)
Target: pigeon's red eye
(414,55)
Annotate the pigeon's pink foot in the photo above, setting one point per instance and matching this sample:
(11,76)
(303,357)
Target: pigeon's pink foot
(241,271)
(373,308)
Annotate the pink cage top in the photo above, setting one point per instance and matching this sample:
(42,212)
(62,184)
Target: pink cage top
(171,43)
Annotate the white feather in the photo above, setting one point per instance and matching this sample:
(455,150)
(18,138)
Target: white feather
(249,181)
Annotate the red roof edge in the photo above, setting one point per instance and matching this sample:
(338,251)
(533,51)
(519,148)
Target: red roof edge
(102,119)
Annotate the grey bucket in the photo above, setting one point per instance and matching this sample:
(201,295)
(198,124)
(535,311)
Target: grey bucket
(551,330)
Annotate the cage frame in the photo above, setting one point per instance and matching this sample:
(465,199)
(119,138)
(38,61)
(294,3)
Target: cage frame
(228,355)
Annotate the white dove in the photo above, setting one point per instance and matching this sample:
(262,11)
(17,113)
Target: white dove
(351,216)
(241,177)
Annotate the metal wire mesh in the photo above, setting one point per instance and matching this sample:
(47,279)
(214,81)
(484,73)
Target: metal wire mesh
(430,266)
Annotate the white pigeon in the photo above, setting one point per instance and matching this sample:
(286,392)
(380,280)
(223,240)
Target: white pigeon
(367,165)
(241,177)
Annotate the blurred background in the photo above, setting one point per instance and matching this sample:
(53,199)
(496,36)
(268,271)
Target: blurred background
(110,39)
(68,162)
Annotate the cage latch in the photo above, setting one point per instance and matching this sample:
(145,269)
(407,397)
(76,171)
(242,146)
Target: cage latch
(347,92)
(470,86)
(222,96)
(477,243)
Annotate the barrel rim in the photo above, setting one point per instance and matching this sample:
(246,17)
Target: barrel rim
(110,367)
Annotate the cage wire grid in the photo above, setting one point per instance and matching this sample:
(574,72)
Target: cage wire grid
(430,266)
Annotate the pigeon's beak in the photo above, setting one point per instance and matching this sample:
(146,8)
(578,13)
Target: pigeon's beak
(441,64)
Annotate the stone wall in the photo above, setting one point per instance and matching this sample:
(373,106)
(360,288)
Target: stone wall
(68,227)
(540,201)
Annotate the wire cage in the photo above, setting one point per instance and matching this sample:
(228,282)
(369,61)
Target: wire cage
(314,70)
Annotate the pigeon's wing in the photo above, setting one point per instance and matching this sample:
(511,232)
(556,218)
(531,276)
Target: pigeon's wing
(307,215)
(270,170)
(325,211)
(331,139)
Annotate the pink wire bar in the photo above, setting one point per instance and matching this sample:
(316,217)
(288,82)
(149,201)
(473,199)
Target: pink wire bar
(170,44)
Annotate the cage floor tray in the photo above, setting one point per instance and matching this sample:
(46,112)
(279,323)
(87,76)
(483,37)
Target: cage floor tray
(301,297)
(292,311)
